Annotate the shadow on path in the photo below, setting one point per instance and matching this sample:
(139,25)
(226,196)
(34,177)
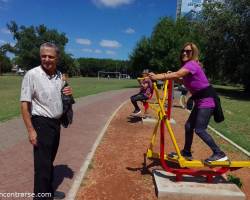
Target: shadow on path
(134,119)
(61,172)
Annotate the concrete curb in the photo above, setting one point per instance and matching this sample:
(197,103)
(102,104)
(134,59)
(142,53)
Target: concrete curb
(230,141)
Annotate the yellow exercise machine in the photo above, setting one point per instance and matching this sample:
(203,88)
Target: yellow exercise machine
(186,167)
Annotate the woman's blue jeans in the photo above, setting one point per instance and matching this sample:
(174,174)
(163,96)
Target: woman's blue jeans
(138,97)
(198,122)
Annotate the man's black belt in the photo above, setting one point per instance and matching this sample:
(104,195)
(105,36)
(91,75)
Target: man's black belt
(46,118)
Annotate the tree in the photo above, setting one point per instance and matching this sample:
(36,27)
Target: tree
(222,35)
(5,64)
(28,41)
(227,34)
(161,51)
(91,66)
(141,56)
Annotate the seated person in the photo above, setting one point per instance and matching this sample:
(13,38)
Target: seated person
(146,90)
(183,97)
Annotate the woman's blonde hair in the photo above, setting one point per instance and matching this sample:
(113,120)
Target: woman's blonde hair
(195,52)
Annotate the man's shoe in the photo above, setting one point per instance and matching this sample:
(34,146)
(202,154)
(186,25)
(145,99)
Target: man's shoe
(136,112)
(59,195)
(217,157)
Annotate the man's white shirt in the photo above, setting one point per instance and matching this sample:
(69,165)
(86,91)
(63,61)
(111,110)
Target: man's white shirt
(44,92)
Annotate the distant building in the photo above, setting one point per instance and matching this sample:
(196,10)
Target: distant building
(188,8)
(18,70)
(14,68)
(191,8)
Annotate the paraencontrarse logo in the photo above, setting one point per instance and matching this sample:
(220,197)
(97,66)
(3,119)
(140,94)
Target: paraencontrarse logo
(22,195)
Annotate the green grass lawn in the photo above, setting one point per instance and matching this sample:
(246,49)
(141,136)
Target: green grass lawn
(236,107)
(86,86)
(10,91)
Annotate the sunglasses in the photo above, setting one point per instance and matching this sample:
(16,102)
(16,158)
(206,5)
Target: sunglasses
(186,51)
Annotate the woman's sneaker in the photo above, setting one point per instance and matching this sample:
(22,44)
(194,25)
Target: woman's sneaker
(186,154)
(217,157)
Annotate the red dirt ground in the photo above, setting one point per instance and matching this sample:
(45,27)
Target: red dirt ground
(117,172)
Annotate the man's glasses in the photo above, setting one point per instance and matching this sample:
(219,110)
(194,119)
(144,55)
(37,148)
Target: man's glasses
(186,51)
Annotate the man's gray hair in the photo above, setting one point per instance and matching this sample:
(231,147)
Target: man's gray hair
(50,45)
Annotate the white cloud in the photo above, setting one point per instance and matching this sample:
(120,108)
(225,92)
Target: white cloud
(5,42)
(87,50)
(83,41)
(98,51)
(129,31)
(110,43)
(5,31)
(110,52)
(112,3)
(3,3)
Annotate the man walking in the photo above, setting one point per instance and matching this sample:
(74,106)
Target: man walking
(41,107)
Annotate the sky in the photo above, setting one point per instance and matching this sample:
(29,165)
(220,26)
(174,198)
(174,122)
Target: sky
(94,28)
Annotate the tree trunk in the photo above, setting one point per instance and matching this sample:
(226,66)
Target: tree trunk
(247,88)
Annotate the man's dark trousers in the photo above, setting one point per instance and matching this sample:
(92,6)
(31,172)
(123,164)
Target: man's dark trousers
(48,136)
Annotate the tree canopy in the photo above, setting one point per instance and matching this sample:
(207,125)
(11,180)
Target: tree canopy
(5,64)
(160,52)
(226,30)
(28,41)
(222,35)
(91,66)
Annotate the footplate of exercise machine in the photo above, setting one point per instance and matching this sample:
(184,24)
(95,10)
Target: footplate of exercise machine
(151,154)
(173,157)
(228,163)
(197,163)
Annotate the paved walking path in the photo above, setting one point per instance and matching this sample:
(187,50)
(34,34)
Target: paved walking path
(16,159)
